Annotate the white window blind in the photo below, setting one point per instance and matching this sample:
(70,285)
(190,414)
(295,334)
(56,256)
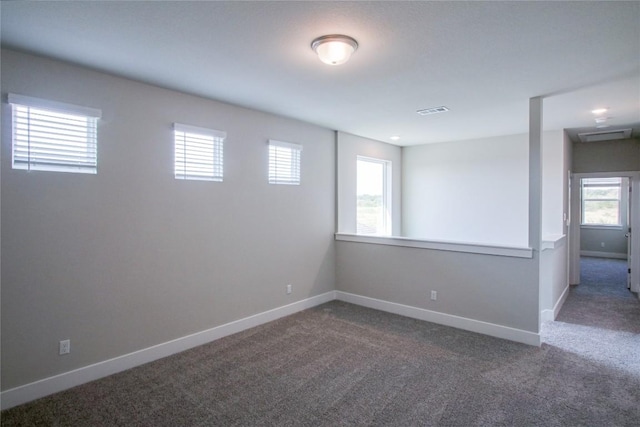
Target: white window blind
(53,136)
(284,162)
(198,153)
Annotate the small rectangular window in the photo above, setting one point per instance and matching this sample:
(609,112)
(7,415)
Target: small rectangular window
(198,153)
(53,136)
(601,201)
(284,163)
(373,209)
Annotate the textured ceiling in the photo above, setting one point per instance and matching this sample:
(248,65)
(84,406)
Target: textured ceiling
(483,60)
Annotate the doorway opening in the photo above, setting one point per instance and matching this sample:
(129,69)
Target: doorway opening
(603,214)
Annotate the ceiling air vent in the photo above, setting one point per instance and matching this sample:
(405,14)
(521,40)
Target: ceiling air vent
(607,135)
(434,110)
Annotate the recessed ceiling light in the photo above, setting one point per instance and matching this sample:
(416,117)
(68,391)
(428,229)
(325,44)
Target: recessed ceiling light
(395,137)
(599,111)
(433,110)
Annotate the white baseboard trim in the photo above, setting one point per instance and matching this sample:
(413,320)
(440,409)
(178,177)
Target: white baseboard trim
(597,254)
(560,303)
(472,325)
(35,390)
(546,315)
(550,315)
(66,380)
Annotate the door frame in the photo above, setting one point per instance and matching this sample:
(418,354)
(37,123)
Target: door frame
(634,223)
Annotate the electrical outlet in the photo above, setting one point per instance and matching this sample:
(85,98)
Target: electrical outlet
(602,244)
(65,347)
(289,289)
(434,295)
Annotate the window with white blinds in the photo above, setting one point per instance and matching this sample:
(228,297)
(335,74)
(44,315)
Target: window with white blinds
(284,162)
(53,136)
(198,153)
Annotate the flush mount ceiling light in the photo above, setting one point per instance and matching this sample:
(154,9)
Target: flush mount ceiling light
(601,118)
(334,49)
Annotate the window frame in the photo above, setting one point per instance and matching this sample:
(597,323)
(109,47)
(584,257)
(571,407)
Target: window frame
(618,200)
(387,224)
(294,176)
(23,108)
(218,139)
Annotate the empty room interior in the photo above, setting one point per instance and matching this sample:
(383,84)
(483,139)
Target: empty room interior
(320,213)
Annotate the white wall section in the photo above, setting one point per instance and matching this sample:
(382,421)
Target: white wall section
(553,183)
(467,191)
(554,285)
(554,279)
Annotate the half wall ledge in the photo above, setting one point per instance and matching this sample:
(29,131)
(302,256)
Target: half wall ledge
(438,245)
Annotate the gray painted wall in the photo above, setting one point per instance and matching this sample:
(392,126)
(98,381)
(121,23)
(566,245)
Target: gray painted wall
(461,175)
(615,242)
(130,257)
(494,289)
(607,156)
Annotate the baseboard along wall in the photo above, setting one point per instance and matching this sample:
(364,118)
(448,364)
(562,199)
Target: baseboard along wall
(35,390)
(597,254)
(551,314)
(66,380)
(467,324)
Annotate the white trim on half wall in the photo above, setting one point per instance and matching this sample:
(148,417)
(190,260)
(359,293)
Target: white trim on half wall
(465,323)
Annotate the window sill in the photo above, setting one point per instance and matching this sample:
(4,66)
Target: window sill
(473,248)
(602,227)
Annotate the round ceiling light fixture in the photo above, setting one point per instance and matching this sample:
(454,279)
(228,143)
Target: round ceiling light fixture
(334,49)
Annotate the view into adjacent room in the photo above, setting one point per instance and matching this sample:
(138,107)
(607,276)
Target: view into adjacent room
(601,308)
(604,232)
